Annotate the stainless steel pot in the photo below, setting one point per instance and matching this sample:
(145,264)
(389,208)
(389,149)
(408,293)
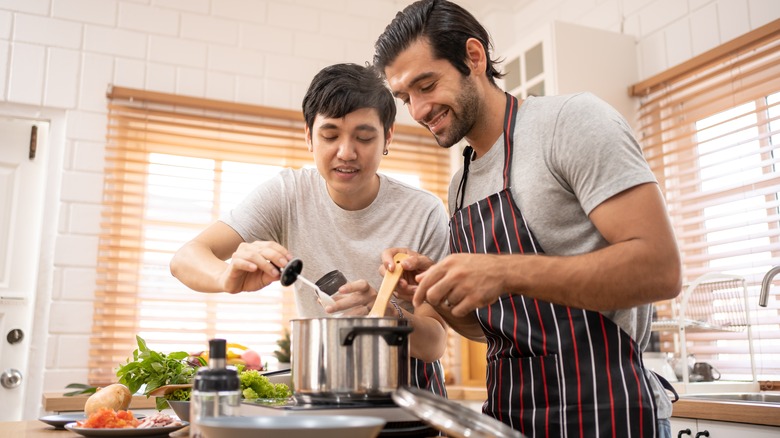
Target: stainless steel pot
(339,360)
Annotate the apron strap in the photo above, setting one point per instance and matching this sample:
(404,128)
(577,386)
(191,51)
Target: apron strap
(667,386)
(468,152)
(509,134)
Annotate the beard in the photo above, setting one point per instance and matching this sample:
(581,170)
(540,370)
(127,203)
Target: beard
(467,104)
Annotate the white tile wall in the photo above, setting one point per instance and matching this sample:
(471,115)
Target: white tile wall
(733,19)
(62,55)
(235,60)
(4,61)
(130,73)
(86,11)
(704,29)
(25,82)
(677,37)
(240,10)
(40,7)
(177,51)
(80,281)
(113,41)
(47,31)
(96,69)
(209,29)
(62,78)
(148,19)
(5,24)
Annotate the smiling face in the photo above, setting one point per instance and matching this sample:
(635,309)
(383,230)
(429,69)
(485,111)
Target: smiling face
(436,94)
(347,152)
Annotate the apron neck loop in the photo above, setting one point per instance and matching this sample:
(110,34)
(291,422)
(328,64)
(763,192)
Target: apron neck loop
(509,132)
(461,193)
(468,153)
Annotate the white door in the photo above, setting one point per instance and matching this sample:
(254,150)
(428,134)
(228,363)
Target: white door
(22,187)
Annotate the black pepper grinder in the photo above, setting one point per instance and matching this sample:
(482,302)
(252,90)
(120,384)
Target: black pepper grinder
(216,391)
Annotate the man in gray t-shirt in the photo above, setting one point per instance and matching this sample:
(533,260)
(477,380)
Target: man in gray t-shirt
(560,236)
(340,216)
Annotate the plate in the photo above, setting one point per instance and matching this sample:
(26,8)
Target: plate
(296,426)
(59,421)
(150,431)
(450,417)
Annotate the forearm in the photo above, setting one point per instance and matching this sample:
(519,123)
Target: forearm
(466,326)
(198,268)
(620,276)
(428,341)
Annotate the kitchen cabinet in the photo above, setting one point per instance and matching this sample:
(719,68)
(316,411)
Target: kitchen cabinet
(693,428)
(563,58)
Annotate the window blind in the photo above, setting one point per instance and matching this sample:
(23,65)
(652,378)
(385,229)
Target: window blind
(710,130)
(174,164)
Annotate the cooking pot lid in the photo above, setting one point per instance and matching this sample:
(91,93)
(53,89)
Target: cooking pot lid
(450,417)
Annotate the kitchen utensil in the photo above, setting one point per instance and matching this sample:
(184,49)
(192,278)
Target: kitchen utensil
(445,415)
(292,272)
(707,372)
(331,282)
(167,389)
(387,287)
(132,432)
(301,426)
(59,421)
(181,408)
(216,391)
(342,360)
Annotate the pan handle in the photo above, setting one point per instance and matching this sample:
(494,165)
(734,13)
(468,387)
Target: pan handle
(394,336)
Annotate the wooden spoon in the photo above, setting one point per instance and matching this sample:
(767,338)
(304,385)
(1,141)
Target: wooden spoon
(387,287)
(165,389)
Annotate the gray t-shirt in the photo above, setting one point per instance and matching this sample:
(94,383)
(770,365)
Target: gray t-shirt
(572,153)
(295,210)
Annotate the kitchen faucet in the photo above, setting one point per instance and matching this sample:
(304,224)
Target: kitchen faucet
(765,285)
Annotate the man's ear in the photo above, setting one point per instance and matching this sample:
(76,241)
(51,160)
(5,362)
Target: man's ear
(475,56)
(309,145)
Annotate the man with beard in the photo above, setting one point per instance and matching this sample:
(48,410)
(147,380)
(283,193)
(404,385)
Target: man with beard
(560,237)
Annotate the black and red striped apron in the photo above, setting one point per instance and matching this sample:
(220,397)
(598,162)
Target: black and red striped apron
(552,370)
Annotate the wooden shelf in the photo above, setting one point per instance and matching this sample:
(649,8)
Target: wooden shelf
(56,402)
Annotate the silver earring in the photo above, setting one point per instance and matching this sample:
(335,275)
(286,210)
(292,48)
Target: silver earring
(385,152)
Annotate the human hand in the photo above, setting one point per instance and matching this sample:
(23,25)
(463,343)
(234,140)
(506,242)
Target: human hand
(413,265)
(353,299)
(253,266)
(461,283)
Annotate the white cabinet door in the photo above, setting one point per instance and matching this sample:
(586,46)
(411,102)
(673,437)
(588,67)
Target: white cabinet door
(692,428)
(565,58)
(683,427)
(725,429)
(22,186)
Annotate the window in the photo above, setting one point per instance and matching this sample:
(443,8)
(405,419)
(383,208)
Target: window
(173,165)
(710,130)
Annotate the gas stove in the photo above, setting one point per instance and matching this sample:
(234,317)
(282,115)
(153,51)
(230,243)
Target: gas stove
(399,422)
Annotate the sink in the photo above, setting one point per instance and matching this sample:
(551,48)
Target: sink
(743,397)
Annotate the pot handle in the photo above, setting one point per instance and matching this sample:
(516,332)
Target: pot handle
(394,336)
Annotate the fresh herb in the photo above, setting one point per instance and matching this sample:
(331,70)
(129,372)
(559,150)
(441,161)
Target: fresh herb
(255,385)
(155,369)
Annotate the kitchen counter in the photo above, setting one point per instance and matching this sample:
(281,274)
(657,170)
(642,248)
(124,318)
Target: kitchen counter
(738,412)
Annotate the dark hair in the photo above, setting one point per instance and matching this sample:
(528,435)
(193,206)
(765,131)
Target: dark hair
(445,25)
(340,89)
